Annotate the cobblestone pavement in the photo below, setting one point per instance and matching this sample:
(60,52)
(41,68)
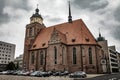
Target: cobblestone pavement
(12,77)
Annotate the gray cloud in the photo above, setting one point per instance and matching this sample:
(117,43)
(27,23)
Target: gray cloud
(18,4)
(3,17)
(15,4)
(116,32)
(90,4)
(55,19)
(117,14)
(52,19)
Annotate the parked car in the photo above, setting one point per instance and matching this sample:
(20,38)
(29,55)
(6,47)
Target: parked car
(56,73)
(10,72)
(4,72)
(35,73)
(65,73)
(39,74)
(45,74)
(15,72)
(27,73)
(20,73)
(78,74)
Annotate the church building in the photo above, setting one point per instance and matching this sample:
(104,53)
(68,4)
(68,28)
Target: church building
(68,46)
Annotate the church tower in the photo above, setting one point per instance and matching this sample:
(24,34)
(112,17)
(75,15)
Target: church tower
(32,30)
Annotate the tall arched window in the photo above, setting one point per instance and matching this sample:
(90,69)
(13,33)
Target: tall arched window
(55,55)
(32,58)
(63,55)
(74,55)
(41,58)
(90,55)
(30,31)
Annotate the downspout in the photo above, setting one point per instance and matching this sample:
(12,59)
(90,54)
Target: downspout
(45,60)
(96,60)
(36,66)
(81,58)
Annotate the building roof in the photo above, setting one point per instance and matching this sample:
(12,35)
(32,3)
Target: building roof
(75,33)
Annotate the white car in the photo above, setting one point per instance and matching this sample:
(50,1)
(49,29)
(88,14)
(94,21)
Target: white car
(34,73)
(78,74)
(4,72)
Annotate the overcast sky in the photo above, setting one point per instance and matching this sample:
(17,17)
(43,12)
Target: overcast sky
(103,14)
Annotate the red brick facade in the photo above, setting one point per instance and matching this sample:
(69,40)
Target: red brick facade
(82,59)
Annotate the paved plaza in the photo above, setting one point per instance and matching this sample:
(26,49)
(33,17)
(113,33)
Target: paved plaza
(14,77)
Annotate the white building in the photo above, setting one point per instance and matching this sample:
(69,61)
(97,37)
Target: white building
(18,61)
(7,52)
(114,59)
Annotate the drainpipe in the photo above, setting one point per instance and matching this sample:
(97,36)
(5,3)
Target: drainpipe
(96,60)
(81,58)
(36,63)
(45,60)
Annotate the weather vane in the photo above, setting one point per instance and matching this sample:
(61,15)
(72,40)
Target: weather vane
(37,5)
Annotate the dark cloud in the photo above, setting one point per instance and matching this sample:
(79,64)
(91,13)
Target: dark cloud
(15,4)
(90,4)
(116,32)
(18,4)
(3,17)
(113,29)
(116,28)
(117,14)
(52,19)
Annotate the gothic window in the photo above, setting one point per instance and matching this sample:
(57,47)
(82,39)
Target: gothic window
(41,58)
(90,55)
(74,55)
(30,31)
(55,55)
(32,59)
(63,55)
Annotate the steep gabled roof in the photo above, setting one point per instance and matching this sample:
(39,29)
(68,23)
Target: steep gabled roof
(75,32)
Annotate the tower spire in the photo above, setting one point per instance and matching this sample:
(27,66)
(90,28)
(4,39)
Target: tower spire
(37,5)
(37,10)
(69,17)
(99,33)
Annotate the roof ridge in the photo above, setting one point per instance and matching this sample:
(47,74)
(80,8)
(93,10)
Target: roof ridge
(64,23)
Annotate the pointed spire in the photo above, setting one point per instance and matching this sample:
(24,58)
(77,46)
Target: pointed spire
(37,6)
(37,10)
(99,33)
(69,17)
(100,38)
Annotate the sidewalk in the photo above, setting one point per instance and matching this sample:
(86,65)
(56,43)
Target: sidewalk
(94,75)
